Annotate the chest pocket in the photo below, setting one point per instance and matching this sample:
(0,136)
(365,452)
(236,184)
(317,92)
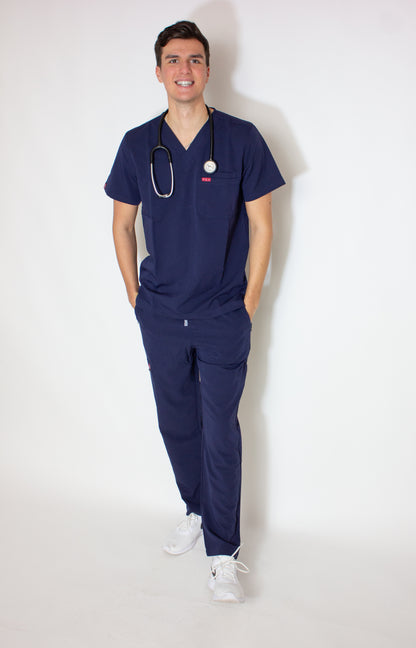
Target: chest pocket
(218,196)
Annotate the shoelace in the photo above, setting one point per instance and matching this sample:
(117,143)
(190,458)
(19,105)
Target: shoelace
(187,523)
(229,565)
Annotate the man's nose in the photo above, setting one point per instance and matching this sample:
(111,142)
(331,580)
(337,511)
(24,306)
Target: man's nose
(185,67)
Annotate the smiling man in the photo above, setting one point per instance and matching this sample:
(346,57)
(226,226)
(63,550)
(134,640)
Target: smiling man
(204,180)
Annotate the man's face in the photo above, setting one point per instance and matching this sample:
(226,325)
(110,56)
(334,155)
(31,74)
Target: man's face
(183,70)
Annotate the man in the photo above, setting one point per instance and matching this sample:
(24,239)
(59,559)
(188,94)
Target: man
(204,180)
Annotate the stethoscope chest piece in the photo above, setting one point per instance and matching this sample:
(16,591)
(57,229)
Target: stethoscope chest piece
(210,166)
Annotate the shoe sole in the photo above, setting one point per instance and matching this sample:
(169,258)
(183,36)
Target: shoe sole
(230,598)
(227,598)
(183,551)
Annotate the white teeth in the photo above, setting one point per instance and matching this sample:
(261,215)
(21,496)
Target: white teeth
(184,84)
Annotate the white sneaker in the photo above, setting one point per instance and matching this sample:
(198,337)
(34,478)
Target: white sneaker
(185,536)
(224,580)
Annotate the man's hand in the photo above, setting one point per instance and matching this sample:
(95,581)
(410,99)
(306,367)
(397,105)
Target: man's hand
(132,298)
(250,308)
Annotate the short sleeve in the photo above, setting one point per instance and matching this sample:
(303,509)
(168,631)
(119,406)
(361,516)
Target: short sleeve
(261,174)
(122,182)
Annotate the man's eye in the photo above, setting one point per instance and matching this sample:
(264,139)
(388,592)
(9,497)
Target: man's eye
(173,60)
(195,61)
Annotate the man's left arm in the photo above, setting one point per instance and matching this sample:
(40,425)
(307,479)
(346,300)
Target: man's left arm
(259,214)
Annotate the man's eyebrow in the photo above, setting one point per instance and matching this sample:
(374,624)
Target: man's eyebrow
(171,56)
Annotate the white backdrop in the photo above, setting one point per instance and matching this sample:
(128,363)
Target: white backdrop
(328,414)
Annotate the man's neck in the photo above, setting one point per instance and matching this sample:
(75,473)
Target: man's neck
(186,120)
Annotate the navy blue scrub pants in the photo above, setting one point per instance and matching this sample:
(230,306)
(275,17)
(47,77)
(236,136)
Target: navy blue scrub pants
(198,369)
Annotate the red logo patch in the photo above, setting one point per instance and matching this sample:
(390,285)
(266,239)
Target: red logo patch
(206,179)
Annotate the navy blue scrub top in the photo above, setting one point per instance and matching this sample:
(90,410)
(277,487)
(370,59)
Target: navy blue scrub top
(197,240)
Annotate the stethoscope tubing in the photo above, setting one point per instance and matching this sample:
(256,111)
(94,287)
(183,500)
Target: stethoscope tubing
(210,165)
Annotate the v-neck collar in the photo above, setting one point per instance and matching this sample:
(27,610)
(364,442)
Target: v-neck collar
(177,140)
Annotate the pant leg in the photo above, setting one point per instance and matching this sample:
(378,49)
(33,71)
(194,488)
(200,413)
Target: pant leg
(175,382)
(222,362)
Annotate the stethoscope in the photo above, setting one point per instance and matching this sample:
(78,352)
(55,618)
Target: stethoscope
(210,165)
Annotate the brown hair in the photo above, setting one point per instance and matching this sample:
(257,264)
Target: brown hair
(182,29)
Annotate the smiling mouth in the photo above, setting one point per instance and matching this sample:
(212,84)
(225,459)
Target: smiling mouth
(184,84)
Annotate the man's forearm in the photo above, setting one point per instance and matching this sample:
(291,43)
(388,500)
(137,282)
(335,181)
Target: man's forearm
(259,256)
(126,249)
(261,234)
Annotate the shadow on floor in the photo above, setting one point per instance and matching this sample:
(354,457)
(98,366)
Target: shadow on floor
(78,575)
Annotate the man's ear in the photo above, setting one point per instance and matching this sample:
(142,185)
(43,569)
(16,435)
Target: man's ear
(159,78)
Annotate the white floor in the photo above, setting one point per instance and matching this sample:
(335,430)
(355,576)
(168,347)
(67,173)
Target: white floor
(80,577)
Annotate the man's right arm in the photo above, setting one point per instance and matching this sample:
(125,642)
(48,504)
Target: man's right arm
(126,246)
